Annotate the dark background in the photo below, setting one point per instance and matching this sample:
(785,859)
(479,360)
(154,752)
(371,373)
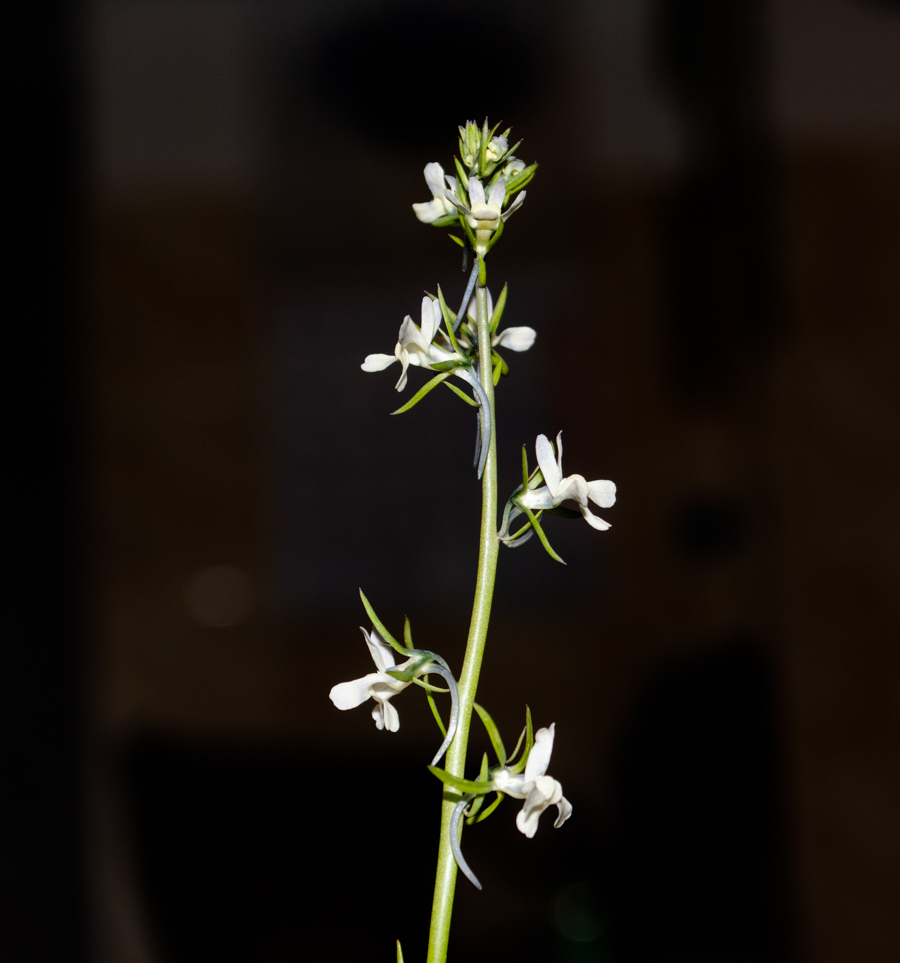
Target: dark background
(709,256)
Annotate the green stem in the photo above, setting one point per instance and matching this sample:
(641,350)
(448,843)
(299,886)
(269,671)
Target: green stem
(445,883)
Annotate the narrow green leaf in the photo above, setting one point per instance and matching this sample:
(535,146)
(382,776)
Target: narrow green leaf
(449,317)
(499,308)
(524,469)
(529,742)
(407,633)
(460,785)
(490,808)
(517,182)
(518,747)
(464,221)
(483,772)
(399,953)
(471,812)
(379,625)
(540,534)
(429,686)
(420,394)
(482,153)
(434,711)
(462,180)
(454,238)
(498,374)
(451,365)
(461,393)
(517,535)
(493,733)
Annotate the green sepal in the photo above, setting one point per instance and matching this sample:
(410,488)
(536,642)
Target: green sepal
(519,533)
(434,710)
(420,394)
(499,308)
(379,625)
(540,534)
(493,733)
(563,512)
(462,180)
(449,317)
(518,746)
(516,183)
(479,801)
(498,373)
(504,367)
(454,238)
(409,673)
(463,220)
(429,687)
(529,742)
(451,365)
(487,811)
(461,394)
(445,220)
(496,235)
(460,785)
(482,150)
(482,271)
(407,633)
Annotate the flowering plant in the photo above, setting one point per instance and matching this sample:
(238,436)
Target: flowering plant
(488,188)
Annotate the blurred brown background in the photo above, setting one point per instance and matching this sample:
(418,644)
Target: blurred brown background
(710,257)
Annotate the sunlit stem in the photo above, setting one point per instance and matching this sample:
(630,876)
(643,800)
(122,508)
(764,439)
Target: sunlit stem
(445,883)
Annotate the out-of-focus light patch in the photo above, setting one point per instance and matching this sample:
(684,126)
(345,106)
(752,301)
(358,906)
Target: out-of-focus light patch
(576,912)
(220,596)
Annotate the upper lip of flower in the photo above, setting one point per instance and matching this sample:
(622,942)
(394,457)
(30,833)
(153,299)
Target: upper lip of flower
(438,206)
(414,345)
(557,488)
(484,213)
(375,685)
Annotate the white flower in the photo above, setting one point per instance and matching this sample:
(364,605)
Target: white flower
(516,339)
(376,685)
(557,489)
(485,214)
(534,786)
(512,167)
(438,206)
(414,345)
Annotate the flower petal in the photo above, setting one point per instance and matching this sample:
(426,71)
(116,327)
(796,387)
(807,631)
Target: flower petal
(434,178)
(456,202)
(516,204)
(476,191)
(349,695)
(594,520)
(382,654)
(377,362)
(545,792)
(428,211)
(537,498)
(516,339)
(565,810)
(539,757)
(498,192)
(543,450)
(602,493)
(391,718)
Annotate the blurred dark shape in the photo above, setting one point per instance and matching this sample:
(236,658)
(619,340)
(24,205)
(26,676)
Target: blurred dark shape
(43,888)
(378,74)
(710,529)
(220,596)
(276,857)
(698,868)
(718,235)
